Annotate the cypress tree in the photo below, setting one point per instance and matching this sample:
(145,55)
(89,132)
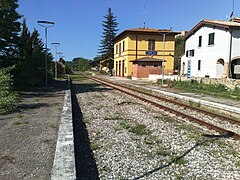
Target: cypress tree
(106,49)
(9,29)
(38,59)
(25,48)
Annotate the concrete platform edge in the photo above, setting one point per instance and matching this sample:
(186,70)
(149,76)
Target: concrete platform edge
(64,160)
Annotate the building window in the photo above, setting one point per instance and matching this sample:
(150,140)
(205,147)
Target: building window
(186,53)
(155,65)
(199,65)
(151,45)
(143,65)
(116,49)
(200,41)
(191,53)
(211,38)
(119,47)
(123,46)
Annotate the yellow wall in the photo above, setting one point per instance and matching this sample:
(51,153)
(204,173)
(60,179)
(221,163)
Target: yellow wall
(129,52)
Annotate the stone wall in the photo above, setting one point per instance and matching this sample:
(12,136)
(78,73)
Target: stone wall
(230,83)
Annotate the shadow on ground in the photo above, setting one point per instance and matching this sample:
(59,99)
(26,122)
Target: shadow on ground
(93,87)
(86,167)
(55,89)
(209,139)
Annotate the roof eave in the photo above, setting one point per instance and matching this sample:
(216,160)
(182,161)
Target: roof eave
(202,23)
(125,32)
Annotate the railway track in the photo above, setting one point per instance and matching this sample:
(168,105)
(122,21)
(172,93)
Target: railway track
(209,119)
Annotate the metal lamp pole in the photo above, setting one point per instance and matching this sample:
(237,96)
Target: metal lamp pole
(164,36)
(46,25)
(163,56)
(60,53)
(56,45)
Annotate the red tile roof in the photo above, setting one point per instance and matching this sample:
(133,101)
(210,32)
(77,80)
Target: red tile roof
(216,23)
(144,31)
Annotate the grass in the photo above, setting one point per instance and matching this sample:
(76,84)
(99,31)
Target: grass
(125,125)
(237,163)
(179,160)
(20,116)
(77,77)
(94,146)
(150,140)
(162,152)
(194,104)
(218,90)
(52,126)
(114,117)
(20,123)
(139,129)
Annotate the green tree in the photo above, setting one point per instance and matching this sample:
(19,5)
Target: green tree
(81,64)
(106,49)
(25,46)
(7,95)
(9,29)
(179,51)
(68,67)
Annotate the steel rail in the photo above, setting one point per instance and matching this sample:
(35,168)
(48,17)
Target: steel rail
(226,133)
(212,114)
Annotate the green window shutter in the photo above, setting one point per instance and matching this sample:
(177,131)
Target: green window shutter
(211,38)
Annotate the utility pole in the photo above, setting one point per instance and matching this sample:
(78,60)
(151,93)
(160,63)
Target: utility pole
(56,53)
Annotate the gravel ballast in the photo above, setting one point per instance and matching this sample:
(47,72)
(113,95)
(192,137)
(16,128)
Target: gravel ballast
(29,135)
(131,140)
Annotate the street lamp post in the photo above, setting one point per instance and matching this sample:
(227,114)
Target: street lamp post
(163,51)
(60,54)
(46,25)
(164,36)
(56,45)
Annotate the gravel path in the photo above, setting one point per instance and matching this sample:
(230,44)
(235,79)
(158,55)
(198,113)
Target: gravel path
(28,136)
(130,140)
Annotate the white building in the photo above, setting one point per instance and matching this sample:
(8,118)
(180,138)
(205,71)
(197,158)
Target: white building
(212,50)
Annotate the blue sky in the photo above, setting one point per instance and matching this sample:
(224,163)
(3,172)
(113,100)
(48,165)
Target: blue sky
(78,22)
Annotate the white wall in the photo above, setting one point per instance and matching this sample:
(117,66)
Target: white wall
(208,54)
(235,44)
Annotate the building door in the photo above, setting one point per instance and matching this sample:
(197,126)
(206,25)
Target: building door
(220,68)
(116,69)
(123,68)
(235,68)
(119,68)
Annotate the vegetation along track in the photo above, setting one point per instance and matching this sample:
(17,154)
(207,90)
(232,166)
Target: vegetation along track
(226,126)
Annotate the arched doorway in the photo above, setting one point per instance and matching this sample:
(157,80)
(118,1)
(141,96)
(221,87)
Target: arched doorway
(220,68)
(235,68)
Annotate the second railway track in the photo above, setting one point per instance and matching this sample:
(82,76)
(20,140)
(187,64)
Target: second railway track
(226,126)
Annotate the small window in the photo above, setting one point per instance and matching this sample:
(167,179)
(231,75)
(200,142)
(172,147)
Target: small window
(199,65)
(123,49)
(211,39)
(191,53)
(116,48)
(155,65)
(186,53)
(200,41)
(151,45)
(143,65)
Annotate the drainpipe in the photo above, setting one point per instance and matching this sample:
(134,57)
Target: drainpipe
(230,56)
(136,47)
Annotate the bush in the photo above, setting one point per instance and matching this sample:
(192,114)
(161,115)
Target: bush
(212,89)
(7,95)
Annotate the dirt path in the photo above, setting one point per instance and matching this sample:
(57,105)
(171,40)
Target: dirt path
(28,136)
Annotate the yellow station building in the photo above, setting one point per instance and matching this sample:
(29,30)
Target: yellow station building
(140,51)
